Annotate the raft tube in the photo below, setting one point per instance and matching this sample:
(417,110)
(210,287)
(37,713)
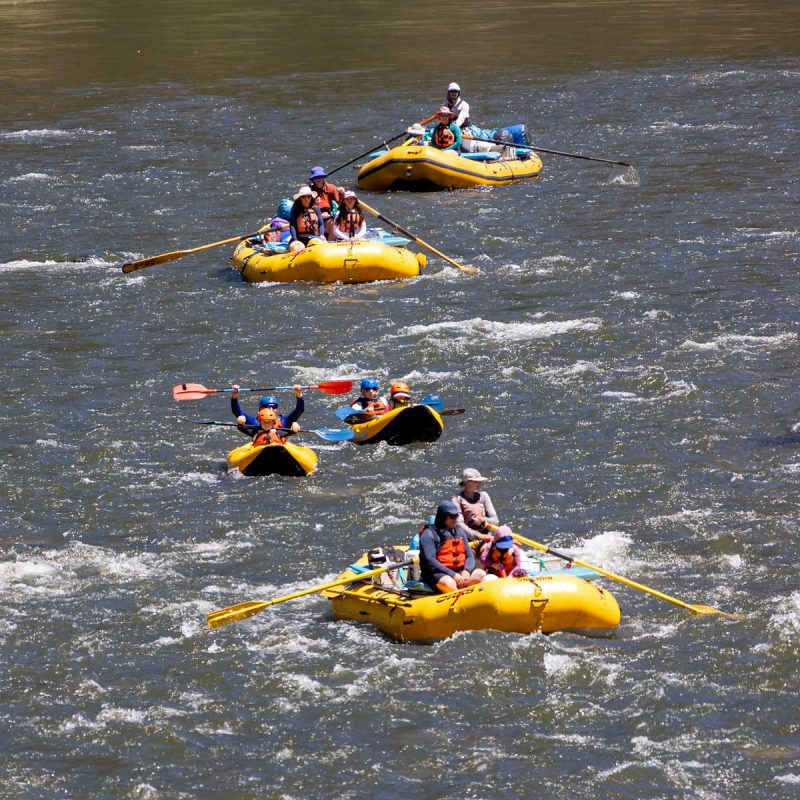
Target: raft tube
(358,261)
(273,459)
(424,168)
(548,604)
(400,427)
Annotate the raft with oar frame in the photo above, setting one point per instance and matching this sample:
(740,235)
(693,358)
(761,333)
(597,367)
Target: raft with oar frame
(401,426)
(358,261)
(547,602)
(273,459)
(419,167)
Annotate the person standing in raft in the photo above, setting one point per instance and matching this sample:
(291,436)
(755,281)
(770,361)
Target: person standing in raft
(305,220)
(368,400)
(446,560)
(327,197)
(475,507)
(288,421)
(350,222)
(446,135)
(269,429)
(501,557)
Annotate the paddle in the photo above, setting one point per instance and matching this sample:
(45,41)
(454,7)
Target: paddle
(133,266)
(695,609)
(411,236)
(432,400)
(196,391)
(552,152)
(244,610)
(328,434)
(371,150)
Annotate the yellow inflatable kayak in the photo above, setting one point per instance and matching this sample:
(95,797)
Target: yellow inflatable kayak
(359,261)
(422,167)
(544,602)
(273,459)
(400,427)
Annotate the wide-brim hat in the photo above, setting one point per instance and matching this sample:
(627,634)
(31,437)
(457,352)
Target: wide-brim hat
(445,110)
(416,130)
(303,191)
(317,172)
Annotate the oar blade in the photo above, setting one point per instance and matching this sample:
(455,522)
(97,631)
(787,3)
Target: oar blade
(451,412)
(344,413)
(225,616)
(191,391)
(434,401)
(153,261)
(335,387)
(334,434)
(706,610)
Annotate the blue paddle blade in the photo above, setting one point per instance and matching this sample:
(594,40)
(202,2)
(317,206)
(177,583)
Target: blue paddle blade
(434,401)
(343,413)
(334,434)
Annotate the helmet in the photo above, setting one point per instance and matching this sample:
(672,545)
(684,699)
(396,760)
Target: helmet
(317,172)
(399,390)
(454,87)
(268,401)
(267,415)
(446,509)
(370,383)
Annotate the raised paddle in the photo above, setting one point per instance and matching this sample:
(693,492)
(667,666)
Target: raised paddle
(153,261)
(695,609)
(375,212)
(244,610)
(196,391)
(552,152)
(328,434)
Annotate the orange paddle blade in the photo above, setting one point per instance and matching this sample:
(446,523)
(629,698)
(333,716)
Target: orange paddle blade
(191,391)
(334,387)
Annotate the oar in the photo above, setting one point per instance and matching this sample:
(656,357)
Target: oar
(196,391)
(132,266)
(244,610)
(371,150)
(552,152)
(695,609)
(328,434)
(411,236)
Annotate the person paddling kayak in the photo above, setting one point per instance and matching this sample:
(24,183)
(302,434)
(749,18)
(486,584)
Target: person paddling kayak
(267,401)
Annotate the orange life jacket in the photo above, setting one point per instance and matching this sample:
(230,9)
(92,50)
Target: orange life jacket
(348,222)
(443,136)
(501,562)
(268,437)
(326,196)
(452,553)
(308,223)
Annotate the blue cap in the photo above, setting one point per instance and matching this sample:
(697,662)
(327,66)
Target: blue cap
(268,401)
(370,383)
(317,172)
(446,509)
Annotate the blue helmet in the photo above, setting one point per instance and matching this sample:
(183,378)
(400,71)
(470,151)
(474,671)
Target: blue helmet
(370,383)
(268,401)
(446,509)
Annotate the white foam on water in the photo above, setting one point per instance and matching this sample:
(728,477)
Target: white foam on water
(626,295)
(52,266)
(560,665)
(785,620)
(789,779)
(503,331)
(53,133)
(740,343)
(571,370)
(31,177)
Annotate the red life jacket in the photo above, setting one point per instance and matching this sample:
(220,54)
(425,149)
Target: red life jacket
(443,136)
(268,437)
(308,223)
(501,562)
(452,553)
(326,196)
(348,222)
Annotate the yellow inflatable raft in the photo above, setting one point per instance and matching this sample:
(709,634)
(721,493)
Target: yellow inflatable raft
(359,261)
(400,427)
(273,459)
(546,603)
(422,167)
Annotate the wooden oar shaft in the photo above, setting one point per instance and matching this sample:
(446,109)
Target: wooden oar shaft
(244,610)
(552,152)
(133,266)
(416,239)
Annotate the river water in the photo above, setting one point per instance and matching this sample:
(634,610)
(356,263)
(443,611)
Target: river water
(627,357)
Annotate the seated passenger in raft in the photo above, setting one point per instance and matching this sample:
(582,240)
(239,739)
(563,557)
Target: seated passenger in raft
(288,421)
(501,557)
(327,197)
(269,429)
(456,105)
(368,401)
(446,135)
(476,510)
(416,132)
(350,222)
(305,219)
(399,395)
(446,560)
(277,232)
